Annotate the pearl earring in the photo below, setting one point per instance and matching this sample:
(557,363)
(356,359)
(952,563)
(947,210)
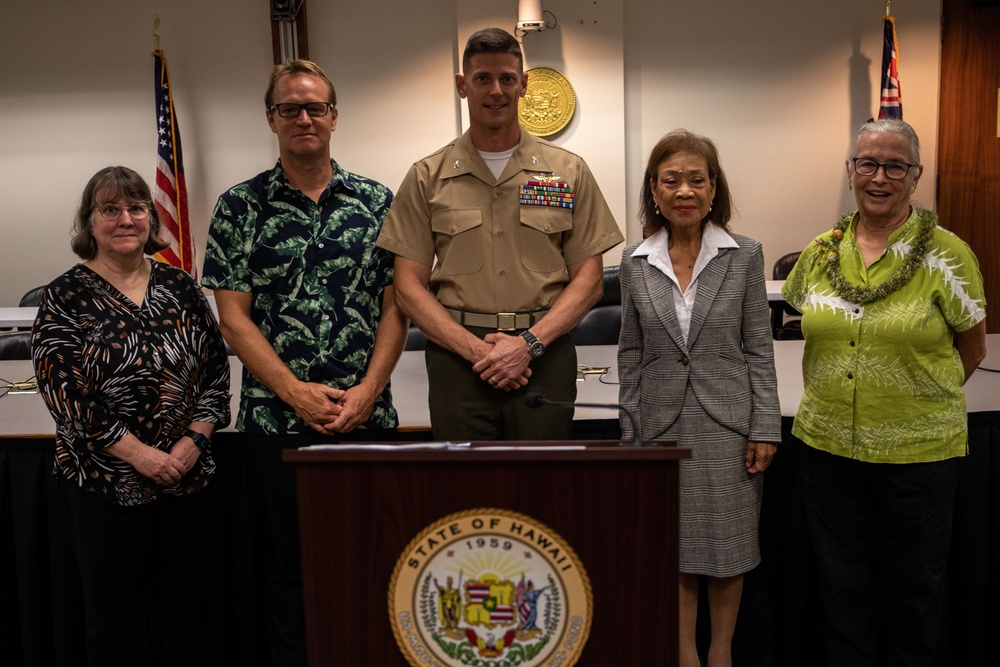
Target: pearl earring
(658,210)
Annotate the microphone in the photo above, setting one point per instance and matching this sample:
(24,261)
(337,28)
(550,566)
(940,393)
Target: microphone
(533,399)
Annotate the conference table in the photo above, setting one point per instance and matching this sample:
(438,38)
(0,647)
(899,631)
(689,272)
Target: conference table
(40,608)
(24,316)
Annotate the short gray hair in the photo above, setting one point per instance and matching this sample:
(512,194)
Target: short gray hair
(889,126)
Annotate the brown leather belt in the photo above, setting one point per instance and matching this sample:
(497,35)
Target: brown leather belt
(498,321)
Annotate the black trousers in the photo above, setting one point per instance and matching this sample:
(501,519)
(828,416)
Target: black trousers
(147,589)
(273,508)
(464,408)
(882,534)
(273,511)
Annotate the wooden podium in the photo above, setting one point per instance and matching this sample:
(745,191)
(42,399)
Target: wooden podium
(615,506)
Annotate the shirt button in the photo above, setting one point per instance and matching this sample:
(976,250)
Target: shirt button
(321,245)
(499,193)
(852,343)
(503,272)
(857,310)
(850,376)
(500,232)
(325,316)
(685,361)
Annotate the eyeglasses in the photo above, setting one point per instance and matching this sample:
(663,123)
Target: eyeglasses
(896,171)
(112,212)
(314,109)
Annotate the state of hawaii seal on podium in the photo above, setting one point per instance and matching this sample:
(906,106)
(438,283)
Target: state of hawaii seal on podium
(549,103)
(490,588)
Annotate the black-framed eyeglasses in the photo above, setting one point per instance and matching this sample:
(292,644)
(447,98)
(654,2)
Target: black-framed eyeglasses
(111,212)
(290,110)
(896,171)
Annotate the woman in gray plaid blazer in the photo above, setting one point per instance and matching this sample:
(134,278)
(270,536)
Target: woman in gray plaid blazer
(696,363)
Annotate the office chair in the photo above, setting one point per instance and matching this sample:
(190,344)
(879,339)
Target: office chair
(603,322)
(781,328)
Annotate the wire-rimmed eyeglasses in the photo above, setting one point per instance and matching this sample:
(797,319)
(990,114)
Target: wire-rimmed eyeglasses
(896,171)
(291,110)
(111,212)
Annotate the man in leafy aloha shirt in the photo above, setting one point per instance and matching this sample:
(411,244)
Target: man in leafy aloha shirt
(306,301)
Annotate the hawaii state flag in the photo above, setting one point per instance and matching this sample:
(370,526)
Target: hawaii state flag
(170,191)
(891,104)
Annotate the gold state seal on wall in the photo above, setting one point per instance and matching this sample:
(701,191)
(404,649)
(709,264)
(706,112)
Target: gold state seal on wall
(490,588)
(549,102)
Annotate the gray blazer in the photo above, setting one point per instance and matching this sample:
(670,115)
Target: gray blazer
(728,361)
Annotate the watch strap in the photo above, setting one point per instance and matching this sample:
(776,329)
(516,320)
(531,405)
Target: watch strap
(201,440)
(535,346)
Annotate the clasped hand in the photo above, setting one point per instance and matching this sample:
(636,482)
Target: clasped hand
(504,362)
(165,468)
(329,411)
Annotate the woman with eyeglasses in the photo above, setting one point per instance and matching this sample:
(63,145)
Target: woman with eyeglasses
(132,366)
(893,319)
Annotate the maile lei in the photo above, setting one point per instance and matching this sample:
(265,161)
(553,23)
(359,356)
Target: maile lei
(926,220)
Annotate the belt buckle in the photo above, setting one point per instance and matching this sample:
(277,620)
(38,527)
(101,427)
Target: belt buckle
(506,321)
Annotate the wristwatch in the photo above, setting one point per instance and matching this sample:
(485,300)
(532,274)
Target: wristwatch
(535,346)
(201,441)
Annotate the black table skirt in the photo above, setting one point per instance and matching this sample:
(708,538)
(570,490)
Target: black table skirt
(779,623)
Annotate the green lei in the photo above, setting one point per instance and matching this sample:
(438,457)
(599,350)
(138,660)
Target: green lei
(865,295)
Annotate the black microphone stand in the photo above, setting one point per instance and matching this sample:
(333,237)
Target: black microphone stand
(533,399)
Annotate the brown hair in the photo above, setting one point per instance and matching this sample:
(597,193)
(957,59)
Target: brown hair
(296,67)
(676,142)
(118,182)
(491,40)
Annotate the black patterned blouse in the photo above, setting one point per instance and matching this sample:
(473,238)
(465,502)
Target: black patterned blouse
(107,367)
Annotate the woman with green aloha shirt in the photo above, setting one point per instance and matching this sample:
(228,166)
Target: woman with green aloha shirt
(894,324)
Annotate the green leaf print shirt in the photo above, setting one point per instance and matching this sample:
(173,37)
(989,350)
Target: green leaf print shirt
(316,281)
(883,382)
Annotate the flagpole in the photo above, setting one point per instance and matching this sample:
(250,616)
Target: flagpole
(888,7)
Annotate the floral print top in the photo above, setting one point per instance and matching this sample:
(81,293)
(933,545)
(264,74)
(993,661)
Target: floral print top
(107,367)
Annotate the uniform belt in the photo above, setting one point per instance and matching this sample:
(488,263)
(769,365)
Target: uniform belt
(498,321)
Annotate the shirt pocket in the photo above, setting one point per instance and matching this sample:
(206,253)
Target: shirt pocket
(458,240)
(541,231)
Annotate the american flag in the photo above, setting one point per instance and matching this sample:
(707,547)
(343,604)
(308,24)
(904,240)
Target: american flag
(891,105)
(170,191)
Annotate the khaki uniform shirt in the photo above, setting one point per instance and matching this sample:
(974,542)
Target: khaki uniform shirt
(495,254)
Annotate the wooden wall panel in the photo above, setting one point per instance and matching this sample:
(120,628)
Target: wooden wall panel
(969,148)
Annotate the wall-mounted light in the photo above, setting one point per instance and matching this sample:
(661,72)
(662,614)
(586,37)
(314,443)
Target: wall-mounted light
(529,16)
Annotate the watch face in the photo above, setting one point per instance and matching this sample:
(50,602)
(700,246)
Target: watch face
(200,440)
(535,346)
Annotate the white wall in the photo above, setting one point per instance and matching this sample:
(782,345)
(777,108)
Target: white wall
(779,85)
(76,95)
